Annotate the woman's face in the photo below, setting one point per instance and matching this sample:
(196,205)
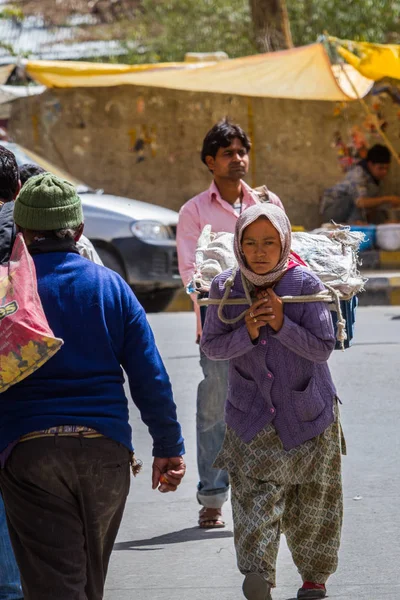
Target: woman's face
(261,246)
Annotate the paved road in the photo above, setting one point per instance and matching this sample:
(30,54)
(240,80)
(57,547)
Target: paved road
(161,555)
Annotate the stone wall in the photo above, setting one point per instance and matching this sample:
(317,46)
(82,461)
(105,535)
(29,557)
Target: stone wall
(145,143)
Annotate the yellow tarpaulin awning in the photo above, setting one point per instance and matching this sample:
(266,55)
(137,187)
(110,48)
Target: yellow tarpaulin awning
(374,61)
(301,73)
(65,73)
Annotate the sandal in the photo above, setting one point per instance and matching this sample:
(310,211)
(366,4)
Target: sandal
(211,518)
(311,591)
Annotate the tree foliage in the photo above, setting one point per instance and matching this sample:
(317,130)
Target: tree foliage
(57,12)
(166,29)
(361,20)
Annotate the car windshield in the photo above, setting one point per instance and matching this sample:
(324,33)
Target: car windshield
(25,156)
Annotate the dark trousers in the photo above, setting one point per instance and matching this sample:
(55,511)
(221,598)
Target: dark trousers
(64,499)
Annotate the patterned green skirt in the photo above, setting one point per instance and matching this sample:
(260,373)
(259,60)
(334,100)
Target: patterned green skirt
(265,458)
(298,492)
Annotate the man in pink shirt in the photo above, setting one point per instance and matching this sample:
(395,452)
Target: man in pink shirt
(226,154)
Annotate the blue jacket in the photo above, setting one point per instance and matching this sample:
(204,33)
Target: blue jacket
(103,327)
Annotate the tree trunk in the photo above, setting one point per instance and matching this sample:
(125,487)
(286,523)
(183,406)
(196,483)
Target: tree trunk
(271,25)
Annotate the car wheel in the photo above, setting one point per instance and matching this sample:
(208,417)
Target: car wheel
(111,261)
(157,300)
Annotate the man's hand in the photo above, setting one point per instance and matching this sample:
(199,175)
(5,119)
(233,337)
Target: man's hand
(376,201)
(168,473)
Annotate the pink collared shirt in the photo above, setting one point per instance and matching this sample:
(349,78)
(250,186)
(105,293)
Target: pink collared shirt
(208,208)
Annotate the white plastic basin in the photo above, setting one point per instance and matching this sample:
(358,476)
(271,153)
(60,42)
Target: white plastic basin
(388,236)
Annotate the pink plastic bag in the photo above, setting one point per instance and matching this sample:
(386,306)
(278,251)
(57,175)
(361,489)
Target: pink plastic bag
(26,340)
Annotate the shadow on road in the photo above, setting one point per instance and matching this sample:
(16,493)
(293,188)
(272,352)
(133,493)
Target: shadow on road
(191,534)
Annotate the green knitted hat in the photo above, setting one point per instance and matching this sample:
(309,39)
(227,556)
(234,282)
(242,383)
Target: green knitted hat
(47,203)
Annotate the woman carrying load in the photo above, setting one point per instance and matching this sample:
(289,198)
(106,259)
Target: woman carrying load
(283,442)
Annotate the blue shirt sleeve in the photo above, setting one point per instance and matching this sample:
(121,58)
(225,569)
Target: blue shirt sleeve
(149,382)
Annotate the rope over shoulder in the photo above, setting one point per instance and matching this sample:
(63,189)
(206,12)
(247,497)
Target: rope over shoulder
(330,295)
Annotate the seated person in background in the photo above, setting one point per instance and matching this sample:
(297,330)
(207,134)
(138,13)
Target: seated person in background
(357,197)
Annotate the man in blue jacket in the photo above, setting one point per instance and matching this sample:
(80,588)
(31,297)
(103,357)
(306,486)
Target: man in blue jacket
(65,437)
(11,179)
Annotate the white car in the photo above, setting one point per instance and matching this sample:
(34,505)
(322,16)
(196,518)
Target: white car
(134,238)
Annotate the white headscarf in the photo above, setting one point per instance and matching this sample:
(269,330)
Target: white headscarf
(281,223)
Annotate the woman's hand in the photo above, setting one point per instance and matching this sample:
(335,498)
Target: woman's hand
(259,314)
(268,310)
(277,310)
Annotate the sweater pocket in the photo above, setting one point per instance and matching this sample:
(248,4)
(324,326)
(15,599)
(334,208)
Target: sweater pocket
(308,404)
(241,391)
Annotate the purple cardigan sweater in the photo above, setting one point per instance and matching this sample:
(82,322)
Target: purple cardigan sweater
(283,377)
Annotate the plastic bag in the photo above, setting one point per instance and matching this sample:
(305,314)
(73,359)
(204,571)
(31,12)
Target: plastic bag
(26,340)
(214,254)
(332,254)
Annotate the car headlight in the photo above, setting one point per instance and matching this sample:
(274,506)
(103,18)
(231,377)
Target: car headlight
(150,231)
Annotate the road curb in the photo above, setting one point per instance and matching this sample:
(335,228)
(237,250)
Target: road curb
(181,302)
(379,259)
(381,290)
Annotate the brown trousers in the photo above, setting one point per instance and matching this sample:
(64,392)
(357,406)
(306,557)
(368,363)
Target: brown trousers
(64,499)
